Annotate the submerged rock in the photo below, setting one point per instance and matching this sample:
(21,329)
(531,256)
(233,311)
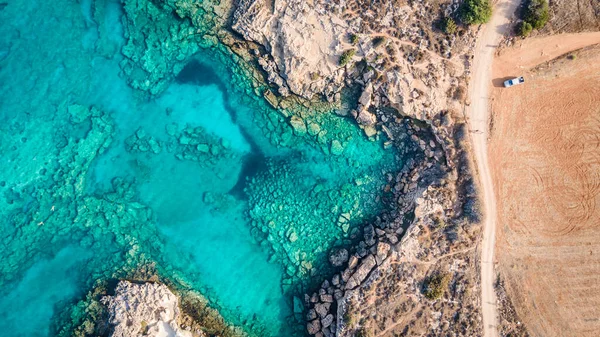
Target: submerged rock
(298,124)
(338,257)
(336,147)
(79,113)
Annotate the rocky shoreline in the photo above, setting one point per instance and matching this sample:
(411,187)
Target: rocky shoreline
(422,77)
(410,80)
(147,306)
(405,72)
(144,309)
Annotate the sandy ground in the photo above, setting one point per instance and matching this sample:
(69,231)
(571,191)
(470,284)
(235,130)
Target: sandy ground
(545,161)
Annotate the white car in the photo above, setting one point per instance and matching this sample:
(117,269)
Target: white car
(514,81)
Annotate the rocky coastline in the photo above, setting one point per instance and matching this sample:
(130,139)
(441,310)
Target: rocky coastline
(148,306)
(144,309)
(406,70)
(409,79)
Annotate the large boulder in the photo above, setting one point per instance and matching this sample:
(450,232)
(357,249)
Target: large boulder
(302,37)
(361,273)
(313,326)
(338,257)
(148,309)
(298,124)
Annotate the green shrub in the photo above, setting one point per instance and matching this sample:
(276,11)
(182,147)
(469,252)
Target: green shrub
(449,26)
(348,318)
(353,39)
(524,29)
(536,13)
(363,332)
(346,57)
(475,11)
(378,41)
(436,285)
(572,56)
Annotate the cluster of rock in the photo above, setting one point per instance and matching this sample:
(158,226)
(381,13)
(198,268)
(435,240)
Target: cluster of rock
(141,142)
(369,255)
(147,309)
(381,287)
(393,299)
(160,39)
(296,219)
(385,292)
(190,143)
(509,323)
(404,63)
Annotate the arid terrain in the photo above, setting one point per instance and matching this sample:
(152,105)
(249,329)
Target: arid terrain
(545,160)
(570,16)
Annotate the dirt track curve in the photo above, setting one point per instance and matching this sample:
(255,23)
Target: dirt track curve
(478,115)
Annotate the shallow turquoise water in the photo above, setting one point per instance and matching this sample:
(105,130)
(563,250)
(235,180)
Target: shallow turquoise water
(192,181)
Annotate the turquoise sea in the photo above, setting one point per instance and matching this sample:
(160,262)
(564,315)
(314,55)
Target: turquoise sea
(202,180)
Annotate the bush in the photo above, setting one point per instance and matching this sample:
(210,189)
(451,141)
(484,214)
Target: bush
(346,57)
(536,13)
(348,318)
(378,41)
(475,11)
(436,286)
(363,332)
(353,39)
(460,93)
(524,29)
(449,26)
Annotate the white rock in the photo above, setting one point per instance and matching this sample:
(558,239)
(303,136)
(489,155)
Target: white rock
(302,38)
(148,309)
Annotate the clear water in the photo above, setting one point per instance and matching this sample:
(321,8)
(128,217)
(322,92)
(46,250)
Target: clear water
(205,181)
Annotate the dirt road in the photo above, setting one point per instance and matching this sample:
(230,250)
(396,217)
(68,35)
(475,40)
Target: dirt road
(478,115)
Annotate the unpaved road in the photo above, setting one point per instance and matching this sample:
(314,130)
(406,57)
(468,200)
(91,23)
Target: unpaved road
(478,115)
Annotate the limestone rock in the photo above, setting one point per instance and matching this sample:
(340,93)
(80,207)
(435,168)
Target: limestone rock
(326,298)
(361,272)
(313,327)
(302,37)
(298,124)
(365,97)
(149,308)
(313,129)
(79,113)
(370,130)
(322,309)
(382,251)
(366,118)
(353,262)
(336,147)
(326,322)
